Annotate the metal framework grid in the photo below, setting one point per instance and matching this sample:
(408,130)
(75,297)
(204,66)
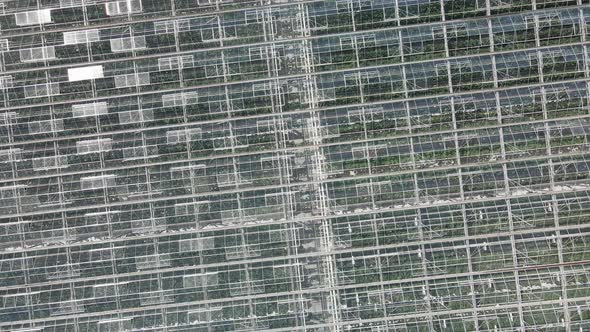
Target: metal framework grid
(248,165)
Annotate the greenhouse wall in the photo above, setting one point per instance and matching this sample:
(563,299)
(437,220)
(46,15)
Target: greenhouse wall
(291,165)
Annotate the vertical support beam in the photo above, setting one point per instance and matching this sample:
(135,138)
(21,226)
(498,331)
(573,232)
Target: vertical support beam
(419,225)
(583,32)
(351,9)
(396,11)
(507,201)
(318,177)
(464,215)
(60,186)
(20,227)
(220,29)
(555,210)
